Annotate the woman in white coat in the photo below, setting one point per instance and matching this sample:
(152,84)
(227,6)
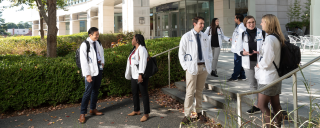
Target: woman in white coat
(249,44)
(266,71)
(215,37)
(136,65)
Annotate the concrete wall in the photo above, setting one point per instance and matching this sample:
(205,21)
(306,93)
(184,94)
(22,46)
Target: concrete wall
(132,12)
(106,19)
(315,18)
(225,15)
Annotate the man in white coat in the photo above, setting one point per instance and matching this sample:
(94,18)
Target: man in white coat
(195,56)
(91,67)
(238,71)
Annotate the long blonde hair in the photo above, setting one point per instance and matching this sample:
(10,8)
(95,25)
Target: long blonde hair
(273,27)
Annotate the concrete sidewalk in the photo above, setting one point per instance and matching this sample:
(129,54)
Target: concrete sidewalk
(115,116)
(311,73)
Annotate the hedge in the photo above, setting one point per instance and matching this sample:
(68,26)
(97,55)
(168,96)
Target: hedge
(31,81)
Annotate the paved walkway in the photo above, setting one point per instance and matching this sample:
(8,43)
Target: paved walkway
(311,73)
(115,116)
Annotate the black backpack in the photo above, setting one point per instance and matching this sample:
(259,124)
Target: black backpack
(151,67)
(78,53)
(290,58)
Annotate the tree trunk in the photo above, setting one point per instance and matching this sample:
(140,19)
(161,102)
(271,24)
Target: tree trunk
(41,27)
(52,28)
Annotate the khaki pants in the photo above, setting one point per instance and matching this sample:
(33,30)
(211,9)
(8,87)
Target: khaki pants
(195,86)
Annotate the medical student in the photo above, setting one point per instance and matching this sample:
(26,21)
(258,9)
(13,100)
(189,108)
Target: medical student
(249,43)
(216,35)
(136,66)
(238,71)
(266,71)
(195,56)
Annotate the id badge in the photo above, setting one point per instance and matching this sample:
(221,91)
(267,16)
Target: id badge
(101,68)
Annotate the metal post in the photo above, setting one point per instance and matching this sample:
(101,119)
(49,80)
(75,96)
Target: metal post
(295,100)
(169,68)
(239,110)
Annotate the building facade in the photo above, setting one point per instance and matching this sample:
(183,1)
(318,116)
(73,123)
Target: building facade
(162,18)
(18,31)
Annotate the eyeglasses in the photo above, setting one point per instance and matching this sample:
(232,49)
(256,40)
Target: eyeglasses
(251,22)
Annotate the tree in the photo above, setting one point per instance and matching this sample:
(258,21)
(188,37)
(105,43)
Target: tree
(44,7)
(3,26)
(20,26)
(296,10)
(27,25)
(11,25)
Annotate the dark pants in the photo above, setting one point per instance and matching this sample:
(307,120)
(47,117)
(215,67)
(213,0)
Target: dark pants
(238,70)
(143,87)
(92,89)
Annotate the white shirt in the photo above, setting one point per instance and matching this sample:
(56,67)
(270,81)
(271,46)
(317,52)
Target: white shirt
(270,51)
(91,42)
(140,57)
(236,33)
(195,35)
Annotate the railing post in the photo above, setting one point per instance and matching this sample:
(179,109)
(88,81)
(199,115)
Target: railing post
(295,100)
(169,67)
(239,110)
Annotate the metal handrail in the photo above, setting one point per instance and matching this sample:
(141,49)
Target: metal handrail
(295,105)
(168,51)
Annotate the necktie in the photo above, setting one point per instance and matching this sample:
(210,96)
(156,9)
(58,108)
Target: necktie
(95,49)
(199,47)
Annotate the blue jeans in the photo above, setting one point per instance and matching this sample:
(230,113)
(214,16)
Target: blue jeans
(92,89)
(238,69)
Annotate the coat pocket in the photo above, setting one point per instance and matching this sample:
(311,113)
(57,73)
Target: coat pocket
(257,72)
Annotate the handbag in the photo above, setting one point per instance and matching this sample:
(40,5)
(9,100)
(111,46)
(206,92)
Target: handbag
(151,67)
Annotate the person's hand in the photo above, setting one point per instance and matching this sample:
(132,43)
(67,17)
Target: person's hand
(257,65)
(255,52)
(89,79)
(246,53)
(140,80)
(102,65)
(230,39)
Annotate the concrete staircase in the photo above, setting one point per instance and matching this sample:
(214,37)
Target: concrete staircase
(220,103)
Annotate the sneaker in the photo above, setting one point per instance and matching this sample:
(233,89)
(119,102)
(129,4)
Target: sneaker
(239,78)
(253,110)
(232,80)
(202,118)
(185,121)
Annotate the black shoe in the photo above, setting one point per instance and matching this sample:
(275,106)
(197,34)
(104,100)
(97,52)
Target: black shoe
(239,78)
(185,121)
(214,73)
(202,118)
(229,80)
(253,110)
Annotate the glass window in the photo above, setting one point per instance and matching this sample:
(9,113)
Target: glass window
(242,7)
(204,11)
(118,22)
(165,22)
(83,26)
(67,28)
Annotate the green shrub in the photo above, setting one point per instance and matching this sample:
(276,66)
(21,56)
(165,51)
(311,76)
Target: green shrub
(30,81)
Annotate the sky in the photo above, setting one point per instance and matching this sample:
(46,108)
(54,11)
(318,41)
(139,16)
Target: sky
(12,15)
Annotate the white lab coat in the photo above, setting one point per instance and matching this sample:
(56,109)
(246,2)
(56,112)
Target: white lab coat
(242,43)
(132,71)
(220,35)
(237,31)
(91,67)
(188,52)
(271,51)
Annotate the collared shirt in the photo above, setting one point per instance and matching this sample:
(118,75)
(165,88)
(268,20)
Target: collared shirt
(195,35)
(97,48)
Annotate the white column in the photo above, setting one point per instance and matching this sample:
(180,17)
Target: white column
(74,24)
(314,18)
(136,16)
(89,19)
(225,12)
(252,8)
(106,18)
(71,24)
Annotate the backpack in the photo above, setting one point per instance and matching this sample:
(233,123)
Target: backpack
(151,67)
(77,56)
(290,58)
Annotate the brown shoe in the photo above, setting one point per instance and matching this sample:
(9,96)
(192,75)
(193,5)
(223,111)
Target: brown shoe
(82,118)
(144,118)
(185,121)
(134,113)
(202,118)
(95,112)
